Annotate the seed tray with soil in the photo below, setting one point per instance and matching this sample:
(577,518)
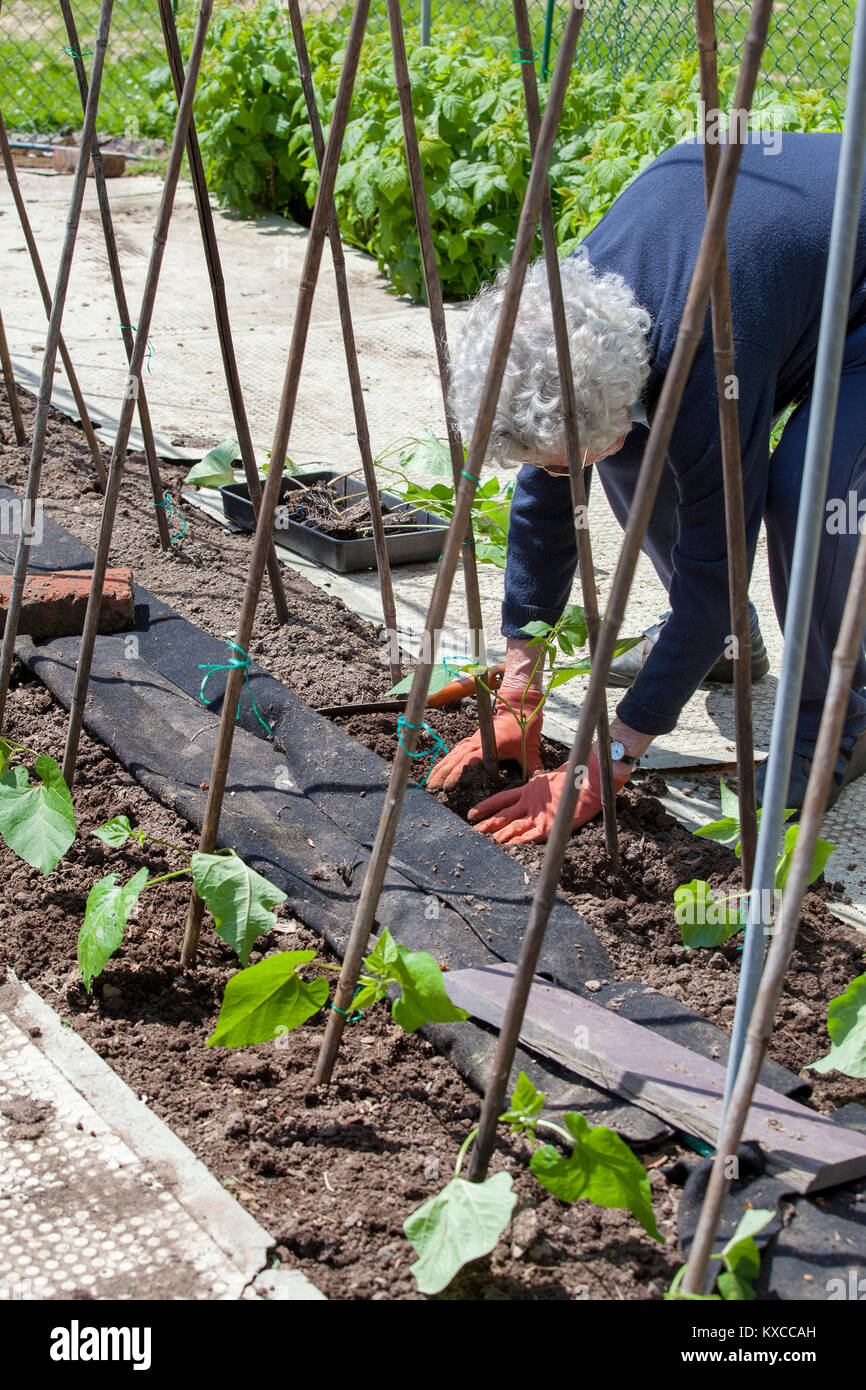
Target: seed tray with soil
(326,517)
(333,1174)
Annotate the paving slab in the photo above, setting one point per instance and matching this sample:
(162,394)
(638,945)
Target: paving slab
(98,1197)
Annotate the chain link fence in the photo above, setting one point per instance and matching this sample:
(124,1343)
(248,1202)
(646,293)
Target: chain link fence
(809,46)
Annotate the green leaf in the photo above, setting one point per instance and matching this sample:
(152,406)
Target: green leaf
(724,830)
(676,1293)
(426,454)
(703,918)
(537,630)
(109,904)
(266,1000)
(215,469)
(823,850)
(489,554)
(562,674)
(114,832)
(439,678)
(6,752)
(741,1256)
(461,1223)
(526,1105)
(423,998)
(730,801)
(37,821)
(846,1024)
(239,898)
(600,1167)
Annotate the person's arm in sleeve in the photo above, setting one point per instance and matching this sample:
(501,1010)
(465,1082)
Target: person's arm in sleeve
(542,553)
(695,634)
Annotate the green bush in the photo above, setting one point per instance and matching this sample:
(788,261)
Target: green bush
(472,130)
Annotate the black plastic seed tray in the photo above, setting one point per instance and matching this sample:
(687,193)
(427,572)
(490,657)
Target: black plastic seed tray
(423,541)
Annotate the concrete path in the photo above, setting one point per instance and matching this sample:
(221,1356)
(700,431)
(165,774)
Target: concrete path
(98,1198)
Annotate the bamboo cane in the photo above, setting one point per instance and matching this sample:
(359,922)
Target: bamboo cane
(11,391)
(583,540)
(45,293)
(118,455)
(270,497)
(732,468)
(117,282)
(380,543)
(688,337)
(220,304)
(43,399)
(760,1029)
(440,337)
(387,829)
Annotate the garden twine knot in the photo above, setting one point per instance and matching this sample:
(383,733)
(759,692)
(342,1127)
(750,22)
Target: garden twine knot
(441,745)
(233,664)
(167,504)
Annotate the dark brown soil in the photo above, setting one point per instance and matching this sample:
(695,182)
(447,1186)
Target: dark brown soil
(342,518)
(334,1175)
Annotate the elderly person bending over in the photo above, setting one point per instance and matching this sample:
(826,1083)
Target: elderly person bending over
(624,295)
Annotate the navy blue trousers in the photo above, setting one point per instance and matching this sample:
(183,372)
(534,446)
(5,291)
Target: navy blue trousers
(846,490)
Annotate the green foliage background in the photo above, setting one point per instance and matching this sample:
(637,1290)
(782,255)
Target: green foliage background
(469,110)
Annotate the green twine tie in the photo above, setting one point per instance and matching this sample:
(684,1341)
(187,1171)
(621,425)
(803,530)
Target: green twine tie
(167,505)
(353,1018)
(233,664)
(148,347)
(474,482)
(441,746)
(76,53)
(517,58)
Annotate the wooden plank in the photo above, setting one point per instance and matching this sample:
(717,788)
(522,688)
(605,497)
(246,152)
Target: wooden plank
(807,1150)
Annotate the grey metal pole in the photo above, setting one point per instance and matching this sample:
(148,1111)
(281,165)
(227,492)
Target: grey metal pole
(810,522)
(426,17)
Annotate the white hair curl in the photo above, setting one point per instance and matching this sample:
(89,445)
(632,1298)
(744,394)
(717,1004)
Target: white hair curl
(607,331)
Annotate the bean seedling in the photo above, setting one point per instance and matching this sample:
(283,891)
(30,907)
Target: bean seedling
(466,1219)
(708,919)
(552,639)
(740,1260)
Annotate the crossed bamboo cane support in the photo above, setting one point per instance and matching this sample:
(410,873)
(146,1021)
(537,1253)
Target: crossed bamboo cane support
(43,400)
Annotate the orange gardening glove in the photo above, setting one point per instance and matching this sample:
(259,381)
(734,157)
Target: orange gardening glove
(448,771)
(525,815)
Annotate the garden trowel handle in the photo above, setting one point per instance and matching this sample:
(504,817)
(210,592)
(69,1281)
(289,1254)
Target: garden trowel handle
(464,685)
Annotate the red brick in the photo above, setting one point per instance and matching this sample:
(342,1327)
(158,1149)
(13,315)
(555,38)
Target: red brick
(54,604)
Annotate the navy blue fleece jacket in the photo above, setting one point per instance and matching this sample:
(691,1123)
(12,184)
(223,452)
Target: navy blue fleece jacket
(778,240)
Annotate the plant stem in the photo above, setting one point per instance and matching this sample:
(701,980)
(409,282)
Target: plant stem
(464,1147)
(20,747)
(154,839)
(162,877)
(557,1129)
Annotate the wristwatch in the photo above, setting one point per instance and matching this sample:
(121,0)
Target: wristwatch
(619,755)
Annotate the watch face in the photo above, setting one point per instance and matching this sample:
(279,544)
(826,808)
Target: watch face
(617,751)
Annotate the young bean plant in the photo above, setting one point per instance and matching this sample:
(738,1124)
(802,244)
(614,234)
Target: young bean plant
(466,1219)
(266,1000)
(706,918)
(552,640)
(740,1260)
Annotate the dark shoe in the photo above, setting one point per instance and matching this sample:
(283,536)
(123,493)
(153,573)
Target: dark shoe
(625,668)
(723,671)
(851,764)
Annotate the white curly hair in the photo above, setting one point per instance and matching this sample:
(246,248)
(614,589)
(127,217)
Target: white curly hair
(607,331)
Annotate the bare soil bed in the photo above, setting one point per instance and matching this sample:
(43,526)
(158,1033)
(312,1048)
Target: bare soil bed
(333,1174)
